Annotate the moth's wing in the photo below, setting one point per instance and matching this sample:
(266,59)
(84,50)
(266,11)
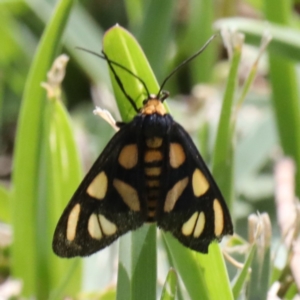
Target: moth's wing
(108,201)
(191,206)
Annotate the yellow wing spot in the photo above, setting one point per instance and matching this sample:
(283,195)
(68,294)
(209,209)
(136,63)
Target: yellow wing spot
(98,187)
(94,227)
(177,155)
(107,226)
(199,225)
(219,217)
(154,142)
(128,194)
(174,193)
(200,183)
(128,156)
(155,171)
(188,227)
(153,183)
(153,155)
(72,222)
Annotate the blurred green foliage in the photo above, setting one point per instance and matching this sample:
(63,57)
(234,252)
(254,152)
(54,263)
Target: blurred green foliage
(168,31)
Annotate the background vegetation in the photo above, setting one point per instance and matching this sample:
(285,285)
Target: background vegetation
(48,141)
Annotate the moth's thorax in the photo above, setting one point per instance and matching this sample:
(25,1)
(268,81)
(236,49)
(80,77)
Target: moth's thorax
(155,125)
(153,106)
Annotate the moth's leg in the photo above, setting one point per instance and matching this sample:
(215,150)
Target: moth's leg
(120,124)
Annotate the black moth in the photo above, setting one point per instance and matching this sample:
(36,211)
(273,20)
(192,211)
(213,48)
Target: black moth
(150,171)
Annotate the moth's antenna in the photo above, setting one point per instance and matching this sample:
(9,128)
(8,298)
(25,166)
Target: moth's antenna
(111,63)
(120,83)
(182,64)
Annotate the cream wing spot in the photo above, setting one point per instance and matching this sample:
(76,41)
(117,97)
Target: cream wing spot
(94,227)
(199,225)
(128,156)
(107,226)
(199,183)
(128,194)
(98,187)
(177,155)
(188,227)
(174,193)
(72,222)
(219,217)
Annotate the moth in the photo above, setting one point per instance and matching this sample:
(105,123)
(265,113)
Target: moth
(150,171)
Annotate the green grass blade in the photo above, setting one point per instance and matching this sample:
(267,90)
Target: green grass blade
(215,273)
(200,273)
(239,282)
(5,202)
(223,164)
(155,34)
(63,175)
(222,156)
(199,30)
(285,89)
(82,31)
(285,39)
(137,265)
(28,153)
(144,263)
(188,267)
(170,286)
(137,249)
(133,58)
(134,9)
(260,266)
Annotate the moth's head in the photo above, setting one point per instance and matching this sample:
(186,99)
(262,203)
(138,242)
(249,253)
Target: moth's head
(153,105)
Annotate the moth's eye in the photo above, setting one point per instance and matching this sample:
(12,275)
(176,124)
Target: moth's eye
(145,101)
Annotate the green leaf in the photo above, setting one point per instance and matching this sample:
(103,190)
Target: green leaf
(223,152)
(137,265)
(201,16)
(26,178)
(82,31)
(155,34)
(240,280)
(285,39)
(260,275)
(170,286)
(188,267)
(215,272)
(134,9)
(133,58)
(63,175)
(284,83)
(223,164)
(5,202)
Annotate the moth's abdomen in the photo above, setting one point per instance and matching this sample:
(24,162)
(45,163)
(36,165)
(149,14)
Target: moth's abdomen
(153,162)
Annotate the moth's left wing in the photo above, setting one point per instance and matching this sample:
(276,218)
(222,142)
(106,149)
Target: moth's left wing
(191,205)
(109,201)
